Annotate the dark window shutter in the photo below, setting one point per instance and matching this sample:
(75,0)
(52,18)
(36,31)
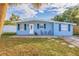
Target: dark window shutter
(24,26)
(37,26)
(69,27)
(59,27)
(44,26)
(18,26)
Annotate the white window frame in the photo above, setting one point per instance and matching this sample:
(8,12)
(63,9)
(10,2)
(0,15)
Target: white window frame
(64,27)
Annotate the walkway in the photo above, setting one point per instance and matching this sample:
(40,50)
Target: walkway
(72,40)
(33,37)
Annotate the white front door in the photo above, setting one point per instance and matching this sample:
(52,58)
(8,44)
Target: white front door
(31,28)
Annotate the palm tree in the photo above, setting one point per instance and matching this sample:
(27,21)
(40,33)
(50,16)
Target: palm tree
(3,9)
(14,17)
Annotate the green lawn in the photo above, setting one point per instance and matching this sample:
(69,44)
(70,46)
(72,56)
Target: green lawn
(35,47)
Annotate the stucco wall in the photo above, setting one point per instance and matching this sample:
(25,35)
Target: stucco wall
(47,31)
(62,33)
(24,32)
(51,29)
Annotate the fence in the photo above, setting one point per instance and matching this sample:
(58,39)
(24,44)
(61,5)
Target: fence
(76,30)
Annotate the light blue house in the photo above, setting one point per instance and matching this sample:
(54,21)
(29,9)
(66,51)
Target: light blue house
(42,27)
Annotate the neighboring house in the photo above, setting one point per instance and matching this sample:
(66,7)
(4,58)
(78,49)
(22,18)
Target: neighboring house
(42,27)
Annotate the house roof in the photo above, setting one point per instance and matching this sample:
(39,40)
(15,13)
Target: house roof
(44,21)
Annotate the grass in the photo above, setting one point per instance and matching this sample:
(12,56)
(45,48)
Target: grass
(7,22)
(35,47)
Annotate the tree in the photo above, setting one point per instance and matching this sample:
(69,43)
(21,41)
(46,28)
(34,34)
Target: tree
(14,17)
(70,15)
(3,9)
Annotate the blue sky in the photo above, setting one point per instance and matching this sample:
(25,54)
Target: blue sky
(46,11)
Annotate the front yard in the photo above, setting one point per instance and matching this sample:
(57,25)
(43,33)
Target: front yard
(36,46)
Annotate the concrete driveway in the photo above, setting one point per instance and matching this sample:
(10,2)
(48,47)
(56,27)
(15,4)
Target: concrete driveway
(72,40)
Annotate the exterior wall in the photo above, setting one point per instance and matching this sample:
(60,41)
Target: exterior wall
(51,29)
(44,31)
(47,31)
(24,32)
(62,33)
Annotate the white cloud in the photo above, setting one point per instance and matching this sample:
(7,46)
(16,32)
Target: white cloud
(41,11)
(70,4)
(42,7)
(60,7)
(28,12)
(60,11)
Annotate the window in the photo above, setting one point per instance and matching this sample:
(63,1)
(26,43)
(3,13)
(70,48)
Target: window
(41,25)
(59,27)
(64,27)
(18,26)
(24,26)
(44,26)
(38,26)
(68,27)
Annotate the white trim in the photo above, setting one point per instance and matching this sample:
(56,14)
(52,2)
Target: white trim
(31,28)
(45,21)
(22,27)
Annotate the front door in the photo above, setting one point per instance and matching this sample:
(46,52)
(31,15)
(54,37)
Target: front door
(31,28)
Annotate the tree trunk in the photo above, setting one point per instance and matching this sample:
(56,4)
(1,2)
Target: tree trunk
(3,9)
